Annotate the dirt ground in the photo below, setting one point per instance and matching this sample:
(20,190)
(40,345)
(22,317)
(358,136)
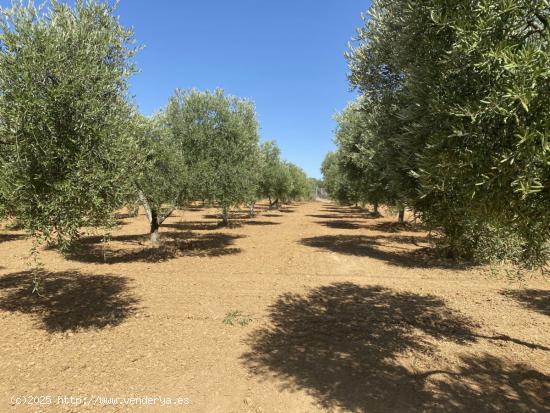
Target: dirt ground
(337,311)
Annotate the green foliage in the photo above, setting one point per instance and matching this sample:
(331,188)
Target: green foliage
(457,106)
(337,182)
(275,179)
(73,149)
(162,174)
(237,317)
(64,115)
(301,186)
(281,180)
(218,136)
(362,158)
(160,178)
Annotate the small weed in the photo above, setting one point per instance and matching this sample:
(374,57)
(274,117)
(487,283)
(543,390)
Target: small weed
(237,317)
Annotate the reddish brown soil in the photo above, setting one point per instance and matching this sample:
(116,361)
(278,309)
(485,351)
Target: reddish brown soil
(348,313)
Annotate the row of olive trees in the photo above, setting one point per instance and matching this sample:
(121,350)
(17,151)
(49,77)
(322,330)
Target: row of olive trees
(73,149)
(205,146)
(281,181)
(452,121)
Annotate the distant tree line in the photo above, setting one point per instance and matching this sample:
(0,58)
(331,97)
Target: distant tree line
(74,149)
(453,122)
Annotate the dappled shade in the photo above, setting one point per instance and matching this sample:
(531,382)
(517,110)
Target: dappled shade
(192,225)
(209,225)
(138,248)
(400,250)
(260,223)
(6,237)
(389,226)
(69,300)
(341,344)
(537,300)
(345,210)
(489,384)
(342,216)
(340,224)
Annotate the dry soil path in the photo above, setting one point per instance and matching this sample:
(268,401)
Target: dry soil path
(342,312)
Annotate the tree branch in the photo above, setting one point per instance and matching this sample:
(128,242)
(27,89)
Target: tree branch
(170,210)
(543,19)
(145,204)
(162,217)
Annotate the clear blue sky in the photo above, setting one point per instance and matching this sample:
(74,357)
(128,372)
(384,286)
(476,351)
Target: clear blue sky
(285,55)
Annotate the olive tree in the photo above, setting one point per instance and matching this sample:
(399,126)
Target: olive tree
(160,178)
(458,96)
(301,186)
(63,116)
(276,179)
(337,182)
(218,135)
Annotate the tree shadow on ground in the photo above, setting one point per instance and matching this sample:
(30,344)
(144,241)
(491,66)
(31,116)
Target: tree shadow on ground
(340,224)
(538,300)
(272,215)
(345,210)
(11,237)
(343,216)
(235,215)
(193,225)
(138,248)
(124,215)
(485,383)
(213,216)
(238,223)
(351,210)
(395,227)
(69,300)
(343,343)
(260,223)
(241,215)
(405,250)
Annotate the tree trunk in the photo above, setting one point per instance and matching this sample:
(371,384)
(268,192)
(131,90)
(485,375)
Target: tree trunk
(402,215)
(154,224)
(155,219)
(152,217)
(145,204)
(376,207)
(251,212)
(225,216)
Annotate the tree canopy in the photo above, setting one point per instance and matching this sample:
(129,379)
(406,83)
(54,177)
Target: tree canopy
(161,179)
(452,120)
(281,181)
(63,116)
(218,136)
